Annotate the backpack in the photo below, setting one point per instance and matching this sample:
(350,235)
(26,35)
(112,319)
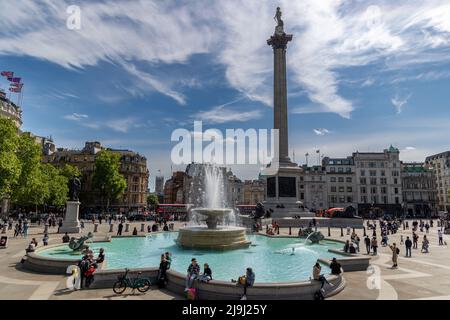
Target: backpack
(398,250)
(192,294)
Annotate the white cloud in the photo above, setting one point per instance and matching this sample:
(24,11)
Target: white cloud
(220,114)
(399,102)
(321,132)
(76,117)
(329,36)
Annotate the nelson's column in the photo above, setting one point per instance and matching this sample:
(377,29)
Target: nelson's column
(282,176)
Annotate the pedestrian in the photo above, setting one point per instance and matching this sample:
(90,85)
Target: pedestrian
(415,240)
(374,245)
(408,245)
(395,253)
(425,245)
(45,239)
(119,229)
(367,243)
(441,237)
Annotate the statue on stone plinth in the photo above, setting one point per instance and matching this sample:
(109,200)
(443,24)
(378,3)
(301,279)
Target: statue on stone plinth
(277,17)
(74,188)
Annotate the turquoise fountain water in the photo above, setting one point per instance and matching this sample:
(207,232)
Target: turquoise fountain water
(273,259)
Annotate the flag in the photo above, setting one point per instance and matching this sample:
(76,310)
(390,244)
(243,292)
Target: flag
(16,90)
(16,85)
(16,80)
(8,74)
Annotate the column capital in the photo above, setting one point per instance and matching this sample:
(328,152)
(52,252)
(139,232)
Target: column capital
(279,41)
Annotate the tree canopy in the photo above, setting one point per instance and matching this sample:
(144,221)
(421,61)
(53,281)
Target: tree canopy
(107,179)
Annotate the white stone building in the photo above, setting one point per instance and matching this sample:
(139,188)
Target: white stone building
(441,166)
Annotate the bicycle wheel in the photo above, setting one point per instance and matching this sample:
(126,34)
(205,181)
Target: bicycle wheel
(144,286)
(119,287)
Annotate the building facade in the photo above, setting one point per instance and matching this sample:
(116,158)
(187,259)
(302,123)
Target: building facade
(133,167)
(254,192)
(174,188)
(378,182)
(419,190)
(159,185)
(10,110)
(313,188)
(440,164)
(341,182)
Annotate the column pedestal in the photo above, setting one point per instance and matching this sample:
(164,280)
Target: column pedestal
(71,224)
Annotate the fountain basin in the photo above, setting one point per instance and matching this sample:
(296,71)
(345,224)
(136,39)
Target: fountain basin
(222,238)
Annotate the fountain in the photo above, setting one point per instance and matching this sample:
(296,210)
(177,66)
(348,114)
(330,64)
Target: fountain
(215,233)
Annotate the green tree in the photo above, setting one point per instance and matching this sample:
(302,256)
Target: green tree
(56,184)
(9,161)
(107,179)
(152,200)
(31,188)
(69,171)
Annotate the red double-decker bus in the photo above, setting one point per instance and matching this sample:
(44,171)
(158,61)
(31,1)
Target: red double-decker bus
(246,210)
(166,211)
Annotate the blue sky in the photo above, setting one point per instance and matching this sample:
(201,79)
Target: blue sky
(361,74)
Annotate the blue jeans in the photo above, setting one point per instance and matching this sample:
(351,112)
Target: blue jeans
(190,279)
(408,251)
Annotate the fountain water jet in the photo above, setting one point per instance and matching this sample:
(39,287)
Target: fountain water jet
(214,235)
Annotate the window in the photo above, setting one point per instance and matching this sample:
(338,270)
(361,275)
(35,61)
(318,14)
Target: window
(349,189)
(383,181)
(362,181)
(383,173)
(363,190)
(333,179)
(372,164)
(385,200)
(396,190)
(349,199)
(341,199)
(373,181)
(383,190)
(348,170)
(373,190)
(333,189)
(373,173)
(348,179)
(341,179)
(363,173)
(395,173)
(340,170)
(341,189)
(397,201)
(333,169)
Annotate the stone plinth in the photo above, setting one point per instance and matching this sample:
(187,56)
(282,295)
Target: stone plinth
(71,224)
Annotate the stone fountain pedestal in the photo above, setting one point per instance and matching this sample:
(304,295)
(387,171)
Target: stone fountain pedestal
(211,236)
(71,224)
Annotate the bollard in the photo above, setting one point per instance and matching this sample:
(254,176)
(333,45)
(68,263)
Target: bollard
(342,232)
(364,230)
(329,231)
(4,229)
(404,226)
(290,231)
(111,228)
(127,227)
(96,227)
(353,230)
(46,229)
(142,227)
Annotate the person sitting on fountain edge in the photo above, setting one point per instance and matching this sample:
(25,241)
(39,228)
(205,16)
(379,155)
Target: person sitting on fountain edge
(192,273)
(65,238)
(207,273)
(101,256)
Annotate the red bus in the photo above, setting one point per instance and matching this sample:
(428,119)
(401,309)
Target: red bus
(179,211)
(246,210)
